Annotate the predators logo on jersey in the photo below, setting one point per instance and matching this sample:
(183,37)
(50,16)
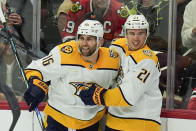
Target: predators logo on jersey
(67,49)
(81,86)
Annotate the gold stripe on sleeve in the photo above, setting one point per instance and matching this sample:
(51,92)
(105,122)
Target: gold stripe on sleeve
(29,73)
(117,98)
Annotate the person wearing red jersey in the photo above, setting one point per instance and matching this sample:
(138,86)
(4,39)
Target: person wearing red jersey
(62,13)
(113,13)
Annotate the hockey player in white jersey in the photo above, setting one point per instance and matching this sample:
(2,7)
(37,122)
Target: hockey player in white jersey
(135,104)
(69,68)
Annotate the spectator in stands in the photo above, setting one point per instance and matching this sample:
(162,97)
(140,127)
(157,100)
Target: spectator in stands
(113,13)
(62,13)
(189,26)
(20,13)
(9,71)
(181,4)
(188,35)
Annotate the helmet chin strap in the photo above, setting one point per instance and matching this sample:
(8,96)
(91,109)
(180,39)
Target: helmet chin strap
(97,48)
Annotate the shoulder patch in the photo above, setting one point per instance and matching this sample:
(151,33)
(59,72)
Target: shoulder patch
(123,12)
(76,7)
(67,49)
(113,53)
(147,53)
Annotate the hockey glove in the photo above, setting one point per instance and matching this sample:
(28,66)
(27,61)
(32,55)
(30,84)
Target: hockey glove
(93,96)
(35,93)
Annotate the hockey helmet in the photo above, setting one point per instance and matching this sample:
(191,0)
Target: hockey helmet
(136,22)
(91,27)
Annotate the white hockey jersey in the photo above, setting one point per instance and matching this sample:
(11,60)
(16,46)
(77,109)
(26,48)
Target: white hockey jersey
(68,73)
(141,100)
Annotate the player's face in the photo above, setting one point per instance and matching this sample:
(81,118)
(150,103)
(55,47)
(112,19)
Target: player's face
(87,45)
(136,38)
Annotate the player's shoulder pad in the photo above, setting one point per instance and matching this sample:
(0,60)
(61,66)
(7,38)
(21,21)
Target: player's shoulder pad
(68,52)
(76,7)
(67,47)
(120,43)
(107,52)
(109,57)
(144,53)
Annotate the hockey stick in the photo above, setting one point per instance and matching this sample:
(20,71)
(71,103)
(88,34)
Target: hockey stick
(3,20)
(13,103)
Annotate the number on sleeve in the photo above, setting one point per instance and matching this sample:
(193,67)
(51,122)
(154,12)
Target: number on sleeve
(48,60)
(143,75)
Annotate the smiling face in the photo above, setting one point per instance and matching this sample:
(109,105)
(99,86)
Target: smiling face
(136,38)
(87,45)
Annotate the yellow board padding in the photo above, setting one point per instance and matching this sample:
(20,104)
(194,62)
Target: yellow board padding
(132,124)
(114,97)
(30,72)
(71,122)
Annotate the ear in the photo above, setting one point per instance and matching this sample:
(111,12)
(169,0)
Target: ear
(101,42)
(126,37)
